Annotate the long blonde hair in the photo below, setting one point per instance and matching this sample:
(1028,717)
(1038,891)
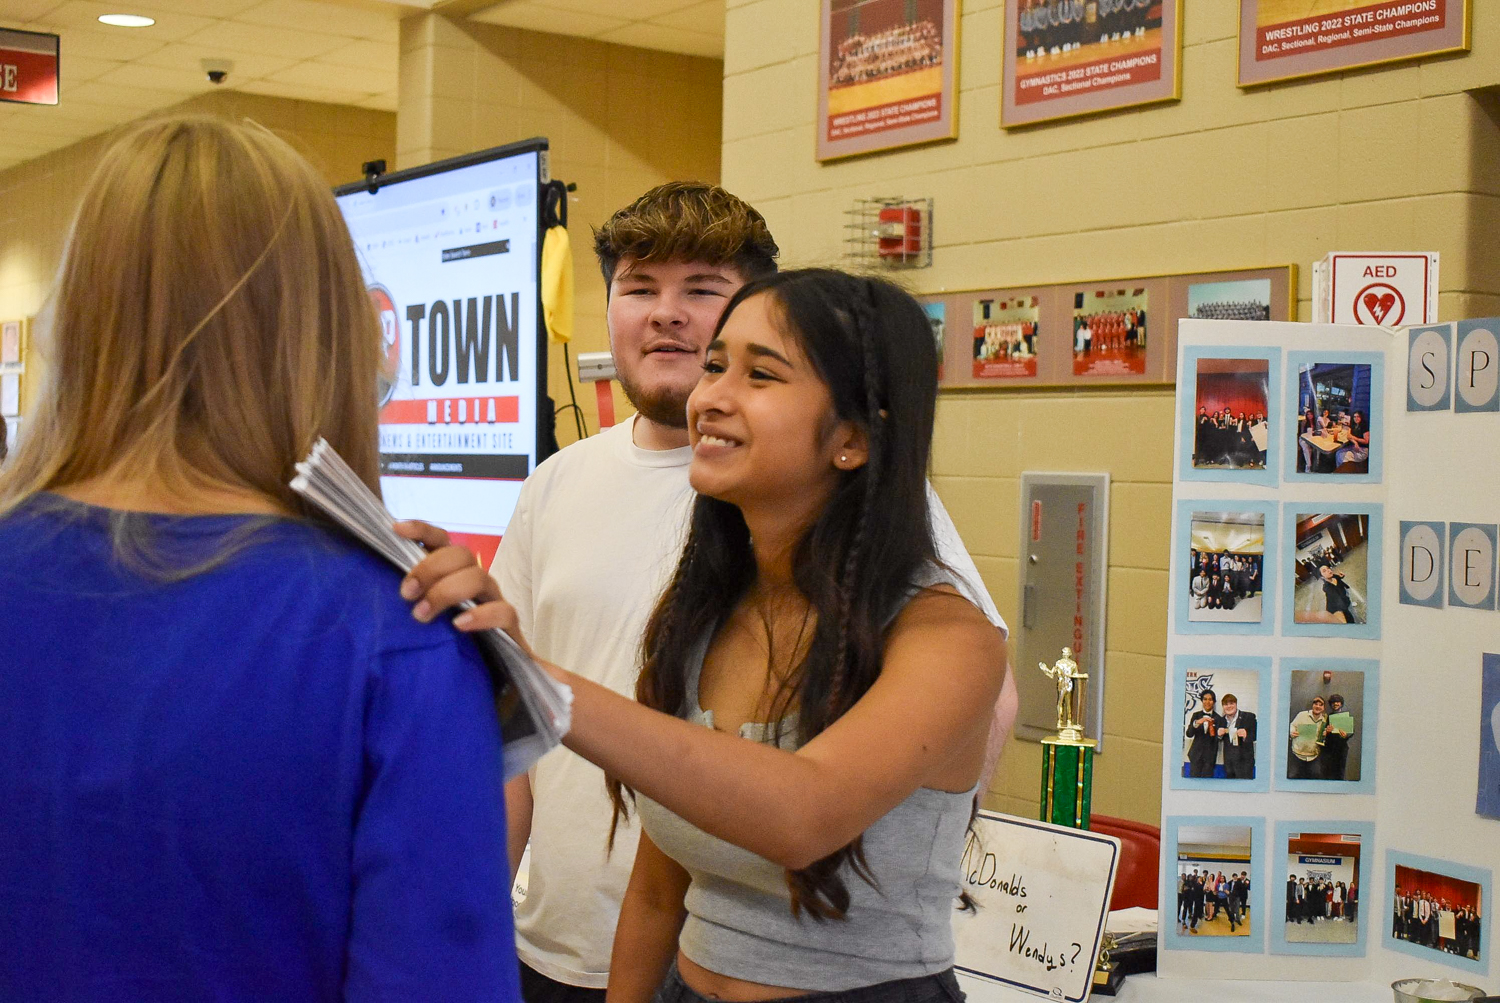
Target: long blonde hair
(210,322)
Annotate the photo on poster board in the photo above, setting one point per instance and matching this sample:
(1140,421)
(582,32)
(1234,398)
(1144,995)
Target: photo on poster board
(1218,742)
(1226,567)
(1213,874)
(937,316)
(1110,331)
(889,72)
(1067,58)
(1232,431)
(1440,911)
(1322,875)
(1007,329)
(1487,800)
(1334,567)
(1339,434)
(1285,39)
(1328,710)
(1232,299)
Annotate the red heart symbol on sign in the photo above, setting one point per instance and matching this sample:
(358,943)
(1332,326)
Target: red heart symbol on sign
(1379,306)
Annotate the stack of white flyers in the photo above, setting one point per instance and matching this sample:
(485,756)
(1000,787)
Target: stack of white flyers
(535,709)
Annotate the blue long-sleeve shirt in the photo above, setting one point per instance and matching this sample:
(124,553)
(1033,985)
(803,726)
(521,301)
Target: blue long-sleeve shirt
(264,781)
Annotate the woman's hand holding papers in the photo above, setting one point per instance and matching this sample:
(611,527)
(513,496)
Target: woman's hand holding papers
(450,575)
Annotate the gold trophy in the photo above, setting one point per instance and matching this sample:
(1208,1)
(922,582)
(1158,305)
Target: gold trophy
(1067,757)
(1068,778)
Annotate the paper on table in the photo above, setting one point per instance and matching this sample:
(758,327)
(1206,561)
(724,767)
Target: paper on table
(535,710)
(1342,722)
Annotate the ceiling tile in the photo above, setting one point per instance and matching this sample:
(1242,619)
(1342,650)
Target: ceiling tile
(155,77)
(117,44)
(549,18)
(247,65)
(652,36)
(79,112)
(380,102)
(202,8)
(339,78)
(365,55)
(633,10)
(138,98)
(169,26)
(310,15)
(706,17)
(80,68)
(264,39)
(302,92)
(26,10)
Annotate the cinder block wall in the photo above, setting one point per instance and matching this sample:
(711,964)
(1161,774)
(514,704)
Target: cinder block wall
(621,120)
(1404,157)
(38,197)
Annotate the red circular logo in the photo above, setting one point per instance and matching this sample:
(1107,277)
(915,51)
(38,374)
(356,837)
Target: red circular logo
(390,340)
(1379,303)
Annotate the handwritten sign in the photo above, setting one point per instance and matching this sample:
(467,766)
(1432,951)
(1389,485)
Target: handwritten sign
(1041,895)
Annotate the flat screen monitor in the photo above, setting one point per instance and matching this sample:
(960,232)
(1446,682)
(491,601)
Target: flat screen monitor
(450,252)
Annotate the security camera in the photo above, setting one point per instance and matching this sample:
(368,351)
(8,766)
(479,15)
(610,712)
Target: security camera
(217,70)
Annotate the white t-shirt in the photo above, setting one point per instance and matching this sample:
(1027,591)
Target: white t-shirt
(594,539)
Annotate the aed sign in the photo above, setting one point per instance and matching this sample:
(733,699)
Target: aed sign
(28,67)
(1383,290)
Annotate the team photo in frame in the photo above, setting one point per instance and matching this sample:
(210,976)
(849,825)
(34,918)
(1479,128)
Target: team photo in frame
(888,75)
(1228,752)
(1063,59)
(1326,725)
(1287,39)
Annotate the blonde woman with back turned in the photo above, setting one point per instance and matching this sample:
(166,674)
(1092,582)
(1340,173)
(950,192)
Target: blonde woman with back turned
(232,766)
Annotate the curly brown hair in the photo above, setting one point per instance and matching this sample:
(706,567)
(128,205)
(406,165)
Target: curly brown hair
(688,221)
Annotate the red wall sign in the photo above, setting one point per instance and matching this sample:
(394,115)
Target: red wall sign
(28,67)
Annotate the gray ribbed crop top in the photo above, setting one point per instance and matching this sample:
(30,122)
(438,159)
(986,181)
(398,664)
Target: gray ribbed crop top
(739,917)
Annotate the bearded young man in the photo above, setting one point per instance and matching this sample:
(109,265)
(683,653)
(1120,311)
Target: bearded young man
(596,534)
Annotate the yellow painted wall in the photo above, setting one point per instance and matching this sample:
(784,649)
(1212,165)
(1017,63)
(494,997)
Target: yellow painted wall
(1406,157)
(620,120)
(38,197)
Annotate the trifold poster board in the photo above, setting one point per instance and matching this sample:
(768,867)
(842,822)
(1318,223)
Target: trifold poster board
(450,252)
(1332,602)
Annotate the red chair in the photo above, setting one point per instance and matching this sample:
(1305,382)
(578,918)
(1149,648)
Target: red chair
(1140,855)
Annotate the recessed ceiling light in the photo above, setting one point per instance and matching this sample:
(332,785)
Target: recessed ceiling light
(127,20)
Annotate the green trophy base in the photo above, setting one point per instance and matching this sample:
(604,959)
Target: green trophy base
(1067,781)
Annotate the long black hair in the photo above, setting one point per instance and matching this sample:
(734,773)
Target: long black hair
(871,344)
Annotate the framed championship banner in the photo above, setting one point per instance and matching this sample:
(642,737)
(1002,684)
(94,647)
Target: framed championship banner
(889,75)
(1076,57)
(1283,39)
